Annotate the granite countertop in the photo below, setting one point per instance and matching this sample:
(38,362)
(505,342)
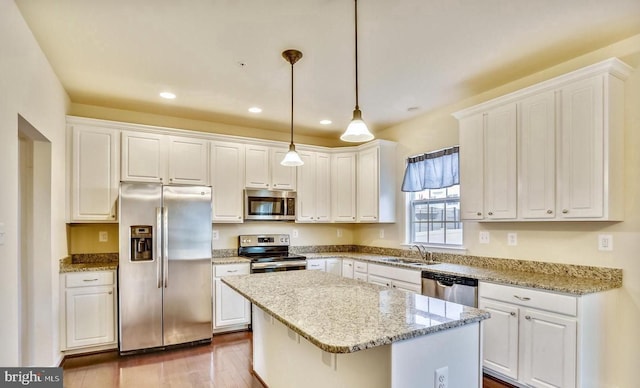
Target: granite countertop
(574,285)
(84,263)
(230,260)
(341,315)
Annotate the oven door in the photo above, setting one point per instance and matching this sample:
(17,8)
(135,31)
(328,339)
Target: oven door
(269,205)
(276,266)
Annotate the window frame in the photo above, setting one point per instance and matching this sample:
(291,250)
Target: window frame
(411,224)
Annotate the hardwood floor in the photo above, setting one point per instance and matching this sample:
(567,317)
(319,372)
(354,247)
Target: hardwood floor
(226,363)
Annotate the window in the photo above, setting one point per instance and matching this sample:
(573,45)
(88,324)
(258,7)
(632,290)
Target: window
(435,217)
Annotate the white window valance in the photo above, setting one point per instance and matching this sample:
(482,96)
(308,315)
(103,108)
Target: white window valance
(433,170)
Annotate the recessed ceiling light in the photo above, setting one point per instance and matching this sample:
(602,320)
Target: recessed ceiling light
(168,95)
(325,122)
(255,109)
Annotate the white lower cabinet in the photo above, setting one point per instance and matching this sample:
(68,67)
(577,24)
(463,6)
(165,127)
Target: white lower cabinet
(89,311)
(316,265)
(395,277)
(331,264)
(231,311)
(347,268)
(533,337)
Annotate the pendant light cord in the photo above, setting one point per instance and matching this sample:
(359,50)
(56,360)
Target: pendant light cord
(292,103)
(356,37)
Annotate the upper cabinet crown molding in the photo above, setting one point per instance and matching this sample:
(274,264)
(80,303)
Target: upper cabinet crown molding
(612,66)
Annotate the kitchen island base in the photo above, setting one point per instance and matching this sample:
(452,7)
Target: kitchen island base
(284,359)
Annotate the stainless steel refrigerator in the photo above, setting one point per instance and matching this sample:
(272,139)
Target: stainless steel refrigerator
(164,273)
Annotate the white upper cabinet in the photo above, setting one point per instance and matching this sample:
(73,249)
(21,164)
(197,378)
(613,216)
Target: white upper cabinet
(472,167)
(343,187)
(264,171)
(227,181)
(500,163)
(95,175)
(151,157)
(567,135)
(537,156)
(376,183)
(313,187)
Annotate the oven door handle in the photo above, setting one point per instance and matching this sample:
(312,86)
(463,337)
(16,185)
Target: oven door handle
(279,264)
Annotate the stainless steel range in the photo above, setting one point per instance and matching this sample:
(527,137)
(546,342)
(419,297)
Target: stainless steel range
(269,253)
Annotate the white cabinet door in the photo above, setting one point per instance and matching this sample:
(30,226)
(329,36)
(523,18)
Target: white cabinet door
(227,180)
(143,157)
(231,307)
(500,338)
(471,134)
(313,188)
(549,349)
(347,268)
(582,144)
(537,156)
(343,187)
(188,161)
(257,167)
(95,173)
(282,177)
(90,316)
(368,184)
(334,266)
(500,163)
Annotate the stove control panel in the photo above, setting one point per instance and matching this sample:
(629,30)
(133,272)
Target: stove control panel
(257,240)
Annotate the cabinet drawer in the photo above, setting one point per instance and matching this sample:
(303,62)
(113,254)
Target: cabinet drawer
(316,264)
(549,301)
(360,276)
(87,279)
(360,266)
(231,269)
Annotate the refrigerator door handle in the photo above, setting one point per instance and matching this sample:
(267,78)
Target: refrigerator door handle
(159,238)
(165,245)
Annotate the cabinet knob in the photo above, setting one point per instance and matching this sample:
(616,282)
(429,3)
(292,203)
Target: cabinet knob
(113,216)
(513,314)
(490,213)
(549,211)
(353,218)
(110,292)
(565,211)
(170,179)
(528,317)
(160,179)
(239,217)
(274,185)
(478,214)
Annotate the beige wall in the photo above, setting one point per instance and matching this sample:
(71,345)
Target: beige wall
(29,88)
(564,242)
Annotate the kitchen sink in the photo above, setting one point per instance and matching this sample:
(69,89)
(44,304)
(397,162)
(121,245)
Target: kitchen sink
(407,262)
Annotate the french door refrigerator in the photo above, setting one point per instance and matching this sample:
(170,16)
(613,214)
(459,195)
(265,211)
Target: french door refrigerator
(164,272)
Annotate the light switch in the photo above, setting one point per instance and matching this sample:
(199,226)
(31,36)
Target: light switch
(103,236)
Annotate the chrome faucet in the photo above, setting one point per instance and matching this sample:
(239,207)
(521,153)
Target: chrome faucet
(424,253)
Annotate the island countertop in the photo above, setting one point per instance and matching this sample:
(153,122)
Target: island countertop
(341,315)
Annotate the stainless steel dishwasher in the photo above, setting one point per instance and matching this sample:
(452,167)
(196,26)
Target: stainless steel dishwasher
(452,288)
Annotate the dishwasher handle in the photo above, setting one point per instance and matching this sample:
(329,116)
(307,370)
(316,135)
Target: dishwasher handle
(445,280)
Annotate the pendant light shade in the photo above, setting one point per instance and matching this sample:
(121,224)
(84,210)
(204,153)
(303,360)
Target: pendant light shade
(357,130)
(292,158)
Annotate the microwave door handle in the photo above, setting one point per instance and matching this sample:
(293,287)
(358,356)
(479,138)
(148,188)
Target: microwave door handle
(159,238)
(165,245)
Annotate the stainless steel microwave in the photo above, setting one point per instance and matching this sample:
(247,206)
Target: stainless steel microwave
(269,205)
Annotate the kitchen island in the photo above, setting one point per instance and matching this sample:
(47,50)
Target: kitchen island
(315,329)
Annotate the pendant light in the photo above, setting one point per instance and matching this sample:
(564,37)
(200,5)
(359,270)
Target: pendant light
(357,130)
(292,158)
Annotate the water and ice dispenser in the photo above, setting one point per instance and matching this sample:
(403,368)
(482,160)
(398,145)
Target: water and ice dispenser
(141,243)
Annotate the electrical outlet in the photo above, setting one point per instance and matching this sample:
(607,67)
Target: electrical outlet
(339,232)
(442,377)
(605,242)
(103,236)
(215,235)
(1,233)
(483,237)
(381,233)
(294,233)
(512,238)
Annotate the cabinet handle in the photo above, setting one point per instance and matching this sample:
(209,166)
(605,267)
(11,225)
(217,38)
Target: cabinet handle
(490,213)
(478,214)
(527,317)
(522,298)
(513,314)
(565,211)
(90,280)
(232,270)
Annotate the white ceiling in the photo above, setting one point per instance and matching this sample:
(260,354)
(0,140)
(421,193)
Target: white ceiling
(223,56)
